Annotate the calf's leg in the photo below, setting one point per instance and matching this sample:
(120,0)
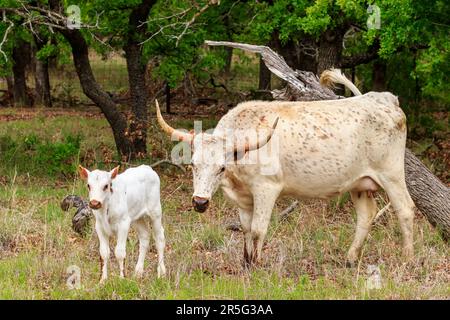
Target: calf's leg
(144,239)
(103,239)
(120,251)
(366,209)
(160,243)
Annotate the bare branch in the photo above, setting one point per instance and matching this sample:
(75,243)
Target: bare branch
(5,36)
(300,83)
(185,25)
(286,212)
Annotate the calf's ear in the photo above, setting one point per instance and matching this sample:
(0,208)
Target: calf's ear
(83,172)
(114,172)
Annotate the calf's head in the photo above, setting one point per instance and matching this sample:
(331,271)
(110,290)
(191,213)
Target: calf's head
(211,153)
(99,184)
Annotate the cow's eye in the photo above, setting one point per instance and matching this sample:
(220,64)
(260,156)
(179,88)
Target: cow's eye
(89,187)
(221,170)
(105,187)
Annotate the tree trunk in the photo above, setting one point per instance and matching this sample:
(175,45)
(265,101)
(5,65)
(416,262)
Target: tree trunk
(130,141)
(379,76)
(228,50)
(264,76)
(299,55)
(94,92)
(429,194)
(41,76)
(20,56)
(167,93)
(136,77)
(330,49)
(10,85)
(330,52)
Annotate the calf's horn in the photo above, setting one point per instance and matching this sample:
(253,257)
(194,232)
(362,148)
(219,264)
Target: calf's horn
(179,135)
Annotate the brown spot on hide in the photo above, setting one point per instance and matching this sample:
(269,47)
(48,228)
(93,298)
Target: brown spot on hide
(401,125)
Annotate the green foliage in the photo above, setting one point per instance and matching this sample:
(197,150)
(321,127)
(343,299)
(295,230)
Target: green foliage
(174,47)
(42,157)
(59,157)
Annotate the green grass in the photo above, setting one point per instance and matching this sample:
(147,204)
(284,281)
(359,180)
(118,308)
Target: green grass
(303,257)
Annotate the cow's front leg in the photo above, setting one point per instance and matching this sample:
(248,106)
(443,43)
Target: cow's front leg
(245,216)
(103,239)
(263,202)
(120,251)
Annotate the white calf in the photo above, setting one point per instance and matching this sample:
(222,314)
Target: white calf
(119,200)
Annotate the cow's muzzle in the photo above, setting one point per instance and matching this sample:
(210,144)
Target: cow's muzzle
(94,204)
(200,204)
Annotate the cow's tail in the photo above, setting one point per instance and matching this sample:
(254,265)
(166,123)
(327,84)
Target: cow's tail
(330,77)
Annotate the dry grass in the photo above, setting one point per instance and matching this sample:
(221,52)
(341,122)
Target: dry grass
(303,257)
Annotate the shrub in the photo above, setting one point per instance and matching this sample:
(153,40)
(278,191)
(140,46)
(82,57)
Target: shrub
(35,156)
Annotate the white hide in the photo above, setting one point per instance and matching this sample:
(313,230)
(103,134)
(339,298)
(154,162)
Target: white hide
(325,148)
(130,198)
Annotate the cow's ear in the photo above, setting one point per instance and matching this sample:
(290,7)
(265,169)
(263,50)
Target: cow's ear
(114,172)
(84,173)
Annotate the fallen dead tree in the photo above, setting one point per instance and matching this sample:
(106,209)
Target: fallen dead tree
(430,195)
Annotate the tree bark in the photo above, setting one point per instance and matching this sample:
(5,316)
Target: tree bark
(264,76)
(10,85)
(41,76)
(429,194)
(130,139)
(94,92)
(379,76)
(136,76)
(330,49)
(167,93)
(20,56)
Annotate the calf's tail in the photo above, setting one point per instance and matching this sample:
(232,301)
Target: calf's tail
(330,77)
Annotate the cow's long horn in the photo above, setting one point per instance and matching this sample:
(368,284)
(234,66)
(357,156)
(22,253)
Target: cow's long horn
(179,135)
(260,142)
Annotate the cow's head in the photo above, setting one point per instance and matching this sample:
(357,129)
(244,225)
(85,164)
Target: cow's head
(211,153)
(99,184)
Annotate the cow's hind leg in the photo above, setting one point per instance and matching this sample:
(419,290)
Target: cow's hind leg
(263,202)
(160,242)
(366,209)
(395,187)
(144,239)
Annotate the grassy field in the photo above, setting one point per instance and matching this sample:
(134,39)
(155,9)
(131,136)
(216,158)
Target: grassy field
(303,258)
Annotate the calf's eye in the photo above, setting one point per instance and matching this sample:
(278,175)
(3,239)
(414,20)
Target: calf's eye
(105,187)
(89,187)
(221,170)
